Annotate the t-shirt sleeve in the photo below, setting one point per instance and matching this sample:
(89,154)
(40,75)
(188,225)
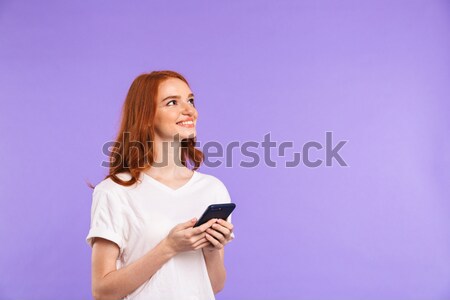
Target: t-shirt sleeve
(224,197)
(107,219)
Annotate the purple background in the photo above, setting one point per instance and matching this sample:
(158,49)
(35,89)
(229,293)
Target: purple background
(375,74)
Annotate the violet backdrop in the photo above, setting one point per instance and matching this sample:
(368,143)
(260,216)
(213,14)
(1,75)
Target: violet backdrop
(375,73)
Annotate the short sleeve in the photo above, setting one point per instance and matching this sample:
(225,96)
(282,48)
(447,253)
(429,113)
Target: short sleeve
(224,197)
(107,219)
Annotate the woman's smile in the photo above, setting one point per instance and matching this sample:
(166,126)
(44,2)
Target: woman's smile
(189,123)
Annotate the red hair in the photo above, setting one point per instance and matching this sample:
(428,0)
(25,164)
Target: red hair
(135,154)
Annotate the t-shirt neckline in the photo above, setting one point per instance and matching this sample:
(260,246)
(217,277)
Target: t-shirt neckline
(167,188)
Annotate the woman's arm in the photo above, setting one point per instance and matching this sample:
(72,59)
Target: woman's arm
(109,283)
(219,235)
(216,268)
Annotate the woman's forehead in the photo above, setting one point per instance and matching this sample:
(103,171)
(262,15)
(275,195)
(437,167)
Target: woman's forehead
(173,87)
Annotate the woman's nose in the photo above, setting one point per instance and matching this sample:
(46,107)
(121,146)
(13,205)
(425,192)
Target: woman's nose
(188,109)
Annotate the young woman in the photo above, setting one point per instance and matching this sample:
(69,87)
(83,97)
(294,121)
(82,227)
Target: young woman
(144,245)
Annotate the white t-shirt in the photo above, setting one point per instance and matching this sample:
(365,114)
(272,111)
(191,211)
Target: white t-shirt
(138,217)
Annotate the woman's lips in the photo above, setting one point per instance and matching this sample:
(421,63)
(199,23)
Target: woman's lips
(188,124)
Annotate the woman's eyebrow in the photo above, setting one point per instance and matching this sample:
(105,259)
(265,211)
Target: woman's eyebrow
(176,97)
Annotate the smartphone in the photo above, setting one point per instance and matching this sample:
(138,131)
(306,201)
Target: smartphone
(216,211)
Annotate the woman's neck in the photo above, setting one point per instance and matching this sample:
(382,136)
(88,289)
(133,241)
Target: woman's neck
(167,160)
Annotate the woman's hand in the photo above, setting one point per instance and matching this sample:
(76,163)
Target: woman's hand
(219,235)
(184,237)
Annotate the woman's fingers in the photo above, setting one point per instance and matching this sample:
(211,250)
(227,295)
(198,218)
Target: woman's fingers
(226,224)
(202,245)
(200,241)
(217,235)
(203,227)
(223,230)
(215,232)
(214,242)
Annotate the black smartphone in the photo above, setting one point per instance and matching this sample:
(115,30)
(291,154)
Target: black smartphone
(216,211)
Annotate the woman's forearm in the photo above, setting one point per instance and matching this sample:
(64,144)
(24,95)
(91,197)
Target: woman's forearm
(120,283)
(216,268)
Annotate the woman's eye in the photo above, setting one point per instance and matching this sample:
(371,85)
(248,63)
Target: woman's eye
(175,102)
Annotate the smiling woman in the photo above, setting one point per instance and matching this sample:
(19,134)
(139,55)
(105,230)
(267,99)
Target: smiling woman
(154,102)
(144,244)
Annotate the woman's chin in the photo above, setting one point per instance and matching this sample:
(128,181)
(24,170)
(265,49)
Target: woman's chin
(188,134)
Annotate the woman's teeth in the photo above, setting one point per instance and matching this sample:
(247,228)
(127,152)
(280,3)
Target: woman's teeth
(189,124)
(186,123)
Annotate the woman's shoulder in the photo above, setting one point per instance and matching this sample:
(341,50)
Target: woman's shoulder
(211,179)
(217,188)
(109,185)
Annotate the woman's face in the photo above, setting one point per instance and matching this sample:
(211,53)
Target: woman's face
(175,111)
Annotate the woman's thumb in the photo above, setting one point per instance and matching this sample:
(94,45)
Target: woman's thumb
(190,223)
